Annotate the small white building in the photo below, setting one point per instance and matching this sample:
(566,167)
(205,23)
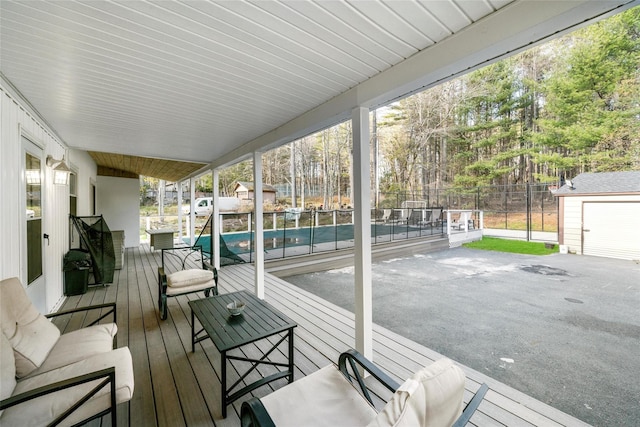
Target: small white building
(244,192)
(599,214)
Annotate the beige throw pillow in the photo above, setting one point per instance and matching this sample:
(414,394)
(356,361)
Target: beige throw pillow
(32,343)
(432,397)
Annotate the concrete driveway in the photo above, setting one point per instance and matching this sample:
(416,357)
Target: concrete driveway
(564,329)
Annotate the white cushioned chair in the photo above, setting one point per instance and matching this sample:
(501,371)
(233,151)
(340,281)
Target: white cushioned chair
(432,397)
(46,377)
(184,270)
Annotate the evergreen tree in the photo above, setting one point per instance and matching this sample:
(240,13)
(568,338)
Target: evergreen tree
(591,111)
(488,136)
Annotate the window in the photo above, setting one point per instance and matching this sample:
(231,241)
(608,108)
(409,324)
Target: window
(73,198)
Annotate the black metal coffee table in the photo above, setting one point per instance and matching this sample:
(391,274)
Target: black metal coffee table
(259,320)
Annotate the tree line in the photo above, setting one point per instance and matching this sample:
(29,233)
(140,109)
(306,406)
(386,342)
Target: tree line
(554,111)
(549,113)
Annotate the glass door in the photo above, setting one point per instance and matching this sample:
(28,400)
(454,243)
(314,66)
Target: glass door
(34,220)
(33,216)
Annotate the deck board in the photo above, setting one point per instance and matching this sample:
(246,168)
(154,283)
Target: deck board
(177,387)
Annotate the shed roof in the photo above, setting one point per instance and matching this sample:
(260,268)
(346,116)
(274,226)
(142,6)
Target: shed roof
(249,186)
(602,182)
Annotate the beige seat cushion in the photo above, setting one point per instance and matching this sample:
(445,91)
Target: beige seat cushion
(432,397)
(15,306)
(7,369)
(40,411)
(324,398)
(172,290)
(189,278)
(31,335)
(77,345)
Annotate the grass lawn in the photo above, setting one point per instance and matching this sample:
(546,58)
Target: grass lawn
(514,246)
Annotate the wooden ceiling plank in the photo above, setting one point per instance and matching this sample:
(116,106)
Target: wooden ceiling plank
(112,164)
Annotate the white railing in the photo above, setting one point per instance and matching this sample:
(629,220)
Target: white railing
(464,225)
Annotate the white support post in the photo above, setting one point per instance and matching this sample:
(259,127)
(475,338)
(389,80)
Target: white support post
(362,232)
(180,231)
(259,236)
(466,222)
(217,223)
(294,201)
(192,214)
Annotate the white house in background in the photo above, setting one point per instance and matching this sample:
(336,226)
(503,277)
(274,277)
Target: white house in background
(600,214)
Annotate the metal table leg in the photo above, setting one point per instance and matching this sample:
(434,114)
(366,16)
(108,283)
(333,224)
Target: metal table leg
(223,380)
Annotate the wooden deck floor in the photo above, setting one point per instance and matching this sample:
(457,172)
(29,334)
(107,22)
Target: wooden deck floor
(175,387)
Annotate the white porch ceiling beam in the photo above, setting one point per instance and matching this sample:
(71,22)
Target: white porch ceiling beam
(517,26)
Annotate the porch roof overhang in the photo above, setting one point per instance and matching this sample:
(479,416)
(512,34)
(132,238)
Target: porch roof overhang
(125,166)
(209,83)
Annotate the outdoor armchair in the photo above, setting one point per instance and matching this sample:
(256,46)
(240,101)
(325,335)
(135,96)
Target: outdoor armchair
(184,270)
(432,397)
(48,378)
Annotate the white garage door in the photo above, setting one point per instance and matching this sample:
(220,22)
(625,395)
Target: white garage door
(611,229)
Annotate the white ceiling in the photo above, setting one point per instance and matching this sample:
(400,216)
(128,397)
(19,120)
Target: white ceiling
(211,81)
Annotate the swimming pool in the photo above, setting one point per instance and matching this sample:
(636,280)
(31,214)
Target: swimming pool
(321,238)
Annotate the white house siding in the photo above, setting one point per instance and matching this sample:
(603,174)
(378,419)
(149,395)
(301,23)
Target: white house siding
(573,224)
(16,119)
(118,200)
(573,217)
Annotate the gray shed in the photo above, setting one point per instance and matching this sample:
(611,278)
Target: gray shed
(599,214)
